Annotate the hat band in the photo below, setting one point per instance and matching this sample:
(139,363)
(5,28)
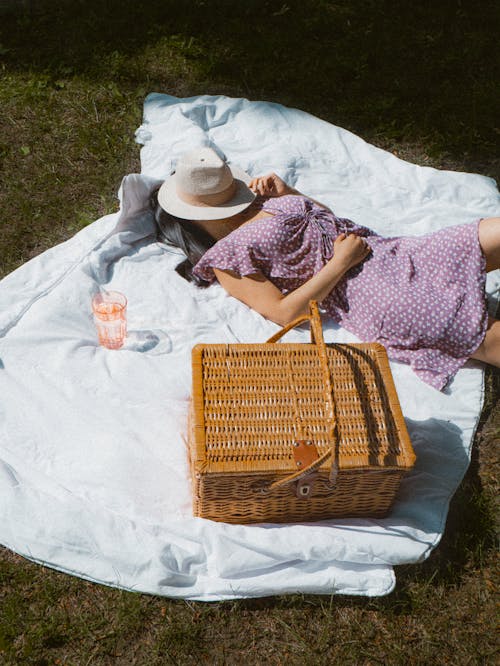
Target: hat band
(214,199)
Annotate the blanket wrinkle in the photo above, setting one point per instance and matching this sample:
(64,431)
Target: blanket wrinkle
(181,563)
(9,473)
(45,291)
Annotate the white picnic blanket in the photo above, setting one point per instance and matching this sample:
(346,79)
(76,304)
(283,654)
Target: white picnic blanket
(93,471)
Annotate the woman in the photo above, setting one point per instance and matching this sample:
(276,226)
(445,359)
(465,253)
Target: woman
(275,250)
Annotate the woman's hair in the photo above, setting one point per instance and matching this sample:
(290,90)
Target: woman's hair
(185,235)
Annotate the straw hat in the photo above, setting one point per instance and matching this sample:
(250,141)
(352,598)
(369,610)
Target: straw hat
(204,187)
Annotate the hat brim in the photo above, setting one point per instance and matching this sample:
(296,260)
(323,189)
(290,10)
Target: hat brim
(242,198)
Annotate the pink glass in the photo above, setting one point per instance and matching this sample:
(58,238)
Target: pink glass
(110,316)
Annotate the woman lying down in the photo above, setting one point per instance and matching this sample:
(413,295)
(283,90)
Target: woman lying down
(275,249)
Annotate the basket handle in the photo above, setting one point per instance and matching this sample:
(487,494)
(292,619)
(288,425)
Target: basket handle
(316,337)
(315,321)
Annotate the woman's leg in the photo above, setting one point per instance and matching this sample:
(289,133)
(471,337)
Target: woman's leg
(489,239)
(489,350)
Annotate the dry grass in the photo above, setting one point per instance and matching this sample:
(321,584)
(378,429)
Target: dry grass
(415,78)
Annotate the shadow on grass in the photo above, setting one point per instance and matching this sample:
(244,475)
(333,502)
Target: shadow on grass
(412,71)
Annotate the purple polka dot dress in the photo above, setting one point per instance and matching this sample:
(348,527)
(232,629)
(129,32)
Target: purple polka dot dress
(422,297)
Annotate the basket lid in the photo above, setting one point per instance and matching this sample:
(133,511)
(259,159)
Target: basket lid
(247,413)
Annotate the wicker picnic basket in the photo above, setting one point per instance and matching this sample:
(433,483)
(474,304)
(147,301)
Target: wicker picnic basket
(295,432)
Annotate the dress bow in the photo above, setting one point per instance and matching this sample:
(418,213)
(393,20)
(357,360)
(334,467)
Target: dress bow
(322,220)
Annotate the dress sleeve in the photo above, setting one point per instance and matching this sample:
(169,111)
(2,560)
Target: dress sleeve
(228,255)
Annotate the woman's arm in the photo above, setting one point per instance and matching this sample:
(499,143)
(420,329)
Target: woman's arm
(263,296)
(273,186)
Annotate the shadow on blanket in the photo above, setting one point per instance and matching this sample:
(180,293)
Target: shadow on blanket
(469,534)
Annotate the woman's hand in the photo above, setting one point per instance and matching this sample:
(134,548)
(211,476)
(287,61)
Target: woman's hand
(270,185)
(349,250)
(273,186)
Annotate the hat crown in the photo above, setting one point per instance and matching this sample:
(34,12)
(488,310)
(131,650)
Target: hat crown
(204,187)
(202,172)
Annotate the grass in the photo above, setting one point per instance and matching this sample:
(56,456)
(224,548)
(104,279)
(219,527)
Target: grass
(418,79)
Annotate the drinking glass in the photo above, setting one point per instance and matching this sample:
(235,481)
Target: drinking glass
(110,316)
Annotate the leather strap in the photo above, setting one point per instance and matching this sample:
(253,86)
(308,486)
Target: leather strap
(316,338)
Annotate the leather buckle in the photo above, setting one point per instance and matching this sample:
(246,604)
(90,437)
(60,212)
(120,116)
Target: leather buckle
(305,485)
(304,453)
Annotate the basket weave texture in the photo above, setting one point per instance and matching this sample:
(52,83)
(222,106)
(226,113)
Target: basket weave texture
(258,409)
